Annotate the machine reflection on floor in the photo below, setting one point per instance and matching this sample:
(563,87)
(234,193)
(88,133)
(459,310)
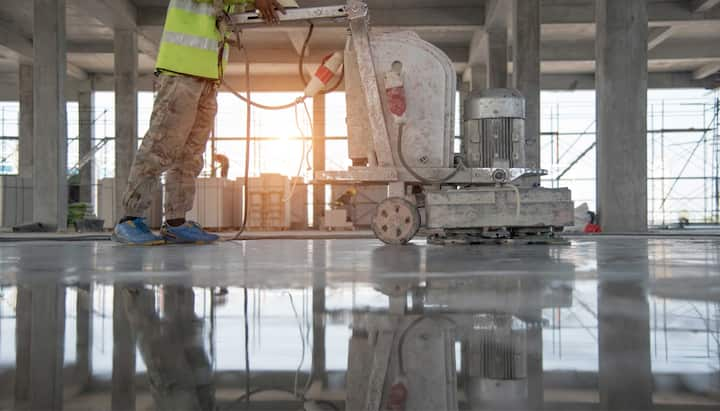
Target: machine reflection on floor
(612,323)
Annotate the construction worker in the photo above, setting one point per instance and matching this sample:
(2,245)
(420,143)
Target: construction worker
(346,201)
(192,55)
(179,370)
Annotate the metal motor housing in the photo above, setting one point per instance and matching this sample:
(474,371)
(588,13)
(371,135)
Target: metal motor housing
(495,129)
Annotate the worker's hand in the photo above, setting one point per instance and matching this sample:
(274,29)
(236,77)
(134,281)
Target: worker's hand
(268,10)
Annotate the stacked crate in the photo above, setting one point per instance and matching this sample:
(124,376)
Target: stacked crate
(107,202)
(16,199)
(298,204)
(269,202)
(215,203)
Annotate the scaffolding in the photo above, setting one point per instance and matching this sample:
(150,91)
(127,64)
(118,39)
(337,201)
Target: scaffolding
(683,147)
(683,156)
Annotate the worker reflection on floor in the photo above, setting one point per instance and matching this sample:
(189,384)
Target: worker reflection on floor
(179,369)
(189,69)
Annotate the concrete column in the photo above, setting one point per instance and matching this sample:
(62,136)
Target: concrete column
(478,77)
(85,111)
(50,121)
(23,322)
(126,109)
(497,57)
(625,379)
(47,345)
(25,129)
(83,345)
(621,84)
(318,350)
(536,390)
(318,157)
(464,91)
(123,370)
(526,73)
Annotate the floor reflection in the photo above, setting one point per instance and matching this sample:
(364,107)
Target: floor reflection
(605,325)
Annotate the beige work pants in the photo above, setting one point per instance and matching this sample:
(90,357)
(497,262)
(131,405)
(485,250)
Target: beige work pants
(181,122)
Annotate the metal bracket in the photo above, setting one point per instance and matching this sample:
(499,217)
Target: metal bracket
(357,9)
(368,77)
(294,15)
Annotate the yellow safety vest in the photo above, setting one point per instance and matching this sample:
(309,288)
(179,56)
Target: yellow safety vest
(191,43)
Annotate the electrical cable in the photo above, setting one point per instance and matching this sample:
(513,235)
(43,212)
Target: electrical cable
(401,340)
(248,131)
(258,390)
(304,156)
(302,339)
(29,238)
(301,64)
(517,199)
(286,391)
(250,103)
(414,173)
(259,105)
(247,350)
(296,395)
(401,343)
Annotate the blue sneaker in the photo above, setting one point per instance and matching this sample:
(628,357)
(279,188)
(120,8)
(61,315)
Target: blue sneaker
(135,232)
(188,233)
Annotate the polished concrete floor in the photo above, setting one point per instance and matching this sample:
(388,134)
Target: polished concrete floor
(604,323)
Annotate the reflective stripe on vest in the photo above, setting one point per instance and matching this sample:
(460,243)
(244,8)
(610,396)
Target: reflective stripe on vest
(188,40)
(193,7)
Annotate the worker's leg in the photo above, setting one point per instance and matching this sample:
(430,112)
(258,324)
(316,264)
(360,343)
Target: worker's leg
(172,380)
(172,120)
(180,181)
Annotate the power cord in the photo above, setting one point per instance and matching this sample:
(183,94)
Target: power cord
(301,65)
(302,356)
(248,131)
(247,98)
(412,171)
(299,396)
(413,324)
(247,350)
(517,199)
(304,156)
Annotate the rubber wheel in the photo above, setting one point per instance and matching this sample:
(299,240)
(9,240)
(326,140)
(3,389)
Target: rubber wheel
(396,221)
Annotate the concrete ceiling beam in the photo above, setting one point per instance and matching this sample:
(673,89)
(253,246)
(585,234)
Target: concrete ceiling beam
(477,51)
(289,56)
(583,12)
(668,80)
(22,49)
(658,35)
(497,14)
(117,14)
(90,47)
(8,82)
(701,6)
(669,50)
(401,17)
(706,71)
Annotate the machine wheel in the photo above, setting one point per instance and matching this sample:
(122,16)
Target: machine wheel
(396,221)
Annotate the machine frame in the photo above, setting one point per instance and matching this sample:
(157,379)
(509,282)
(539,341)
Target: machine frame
(399,218)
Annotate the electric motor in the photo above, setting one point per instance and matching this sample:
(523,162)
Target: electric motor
(495,129)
